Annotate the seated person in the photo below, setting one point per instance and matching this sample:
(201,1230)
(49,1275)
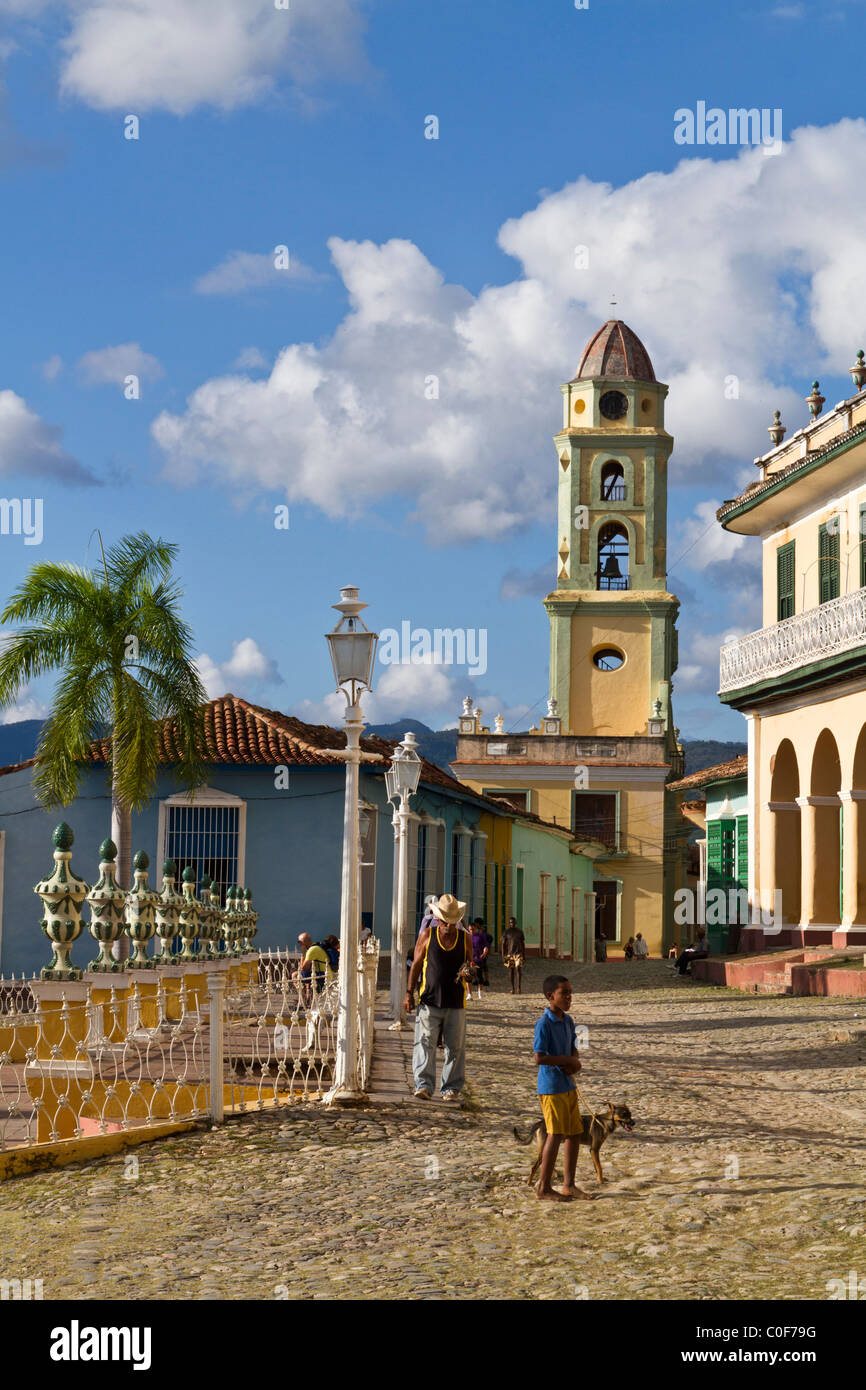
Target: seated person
(700,948)
(641,949)
(629,949)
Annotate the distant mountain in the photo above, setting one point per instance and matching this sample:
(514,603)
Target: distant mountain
(439,747)
(18,741)
(708,752)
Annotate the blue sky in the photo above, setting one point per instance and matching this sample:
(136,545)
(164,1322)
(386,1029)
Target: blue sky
(409,257)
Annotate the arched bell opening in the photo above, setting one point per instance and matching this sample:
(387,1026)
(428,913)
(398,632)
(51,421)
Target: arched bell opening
(613,557)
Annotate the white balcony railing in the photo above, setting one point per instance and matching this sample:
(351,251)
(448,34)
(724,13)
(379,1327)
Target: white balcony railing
(829,630)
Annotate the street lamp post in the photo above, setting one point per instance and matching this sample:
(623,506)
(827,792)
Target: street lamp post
(353,649)
(401,780)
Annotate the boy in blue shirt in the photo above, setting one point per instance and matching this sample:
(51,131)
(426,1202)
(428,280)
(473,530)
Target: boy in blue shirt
(556,1057)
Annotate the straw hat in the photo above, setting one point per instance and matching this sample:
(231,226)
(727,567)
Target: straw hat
(448,909)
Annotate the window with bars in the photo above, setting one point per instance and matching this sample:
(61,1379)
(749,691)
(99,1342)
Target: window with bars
(863,546)
(594,817)
(204,838)
(785,581)
(828,560)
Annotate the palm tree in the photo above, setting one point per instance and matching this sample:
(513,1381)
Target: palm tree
(123,656)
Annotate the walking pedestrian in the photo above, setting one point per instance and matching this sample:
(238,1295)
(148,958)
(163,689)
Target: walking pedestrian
(514,953)
(442,950)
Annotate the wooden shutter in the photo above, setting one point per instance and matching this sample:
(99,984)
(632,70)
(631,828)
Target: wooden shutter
(785,581)
(828,554)
(714,854)
(743,851)
(862,546)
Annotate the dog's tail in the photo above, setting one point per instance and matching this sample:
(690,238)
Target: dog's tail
(524,1138)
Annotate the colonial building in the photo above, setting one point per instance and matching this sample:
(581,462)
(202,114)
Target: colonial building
(716,801)
(270,816)
(598,763)
(800,680)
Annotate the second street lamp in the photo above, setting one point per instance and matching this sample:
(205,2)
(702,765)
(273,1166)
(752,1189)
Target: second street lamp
(353,649)
(401,780)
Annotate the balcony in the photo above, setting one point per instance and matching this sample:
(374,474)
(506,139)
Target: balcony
(824,632)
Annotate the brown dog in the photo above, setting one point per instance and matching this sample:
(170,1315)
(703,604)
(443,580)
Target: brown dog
(595,1131)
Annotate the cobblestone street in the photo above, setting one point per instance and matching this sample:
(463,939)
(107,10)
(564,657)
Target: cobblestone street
(744,1178)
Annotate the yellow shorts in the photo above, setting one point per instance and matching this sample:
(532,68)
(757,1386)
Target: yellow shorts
(562,1113)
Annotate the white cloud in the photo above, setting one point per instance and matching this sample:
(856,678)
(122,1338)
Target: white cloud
(795,11)
(250,358)
(249,270)
(703,259)
(28,445)
(699,660)
(27,707)
(419,690)
(52,368)
(700,541)
(109,366)
(176,55)
(519,583)
(247,667)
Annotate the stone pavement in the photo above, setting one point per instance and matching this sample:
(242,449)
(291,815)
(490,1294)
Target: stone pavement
(745,1176)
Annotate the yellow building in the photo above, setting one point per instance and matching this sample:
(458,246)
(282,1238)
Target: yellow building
(800,680)
(599,761)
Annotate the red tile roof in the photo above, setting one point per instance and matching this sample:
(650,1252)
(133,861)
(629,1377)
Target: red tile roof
(737,767)
(236,731)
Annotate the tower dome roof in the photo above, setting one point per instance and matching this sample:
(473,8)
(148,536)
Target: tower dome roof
(615,351)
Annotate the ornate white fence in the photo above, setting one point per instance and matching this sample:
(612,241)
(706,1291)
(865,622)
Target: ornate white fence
(828,630)
(79,1059)
(204,1026)
(280,1037)
(101,1061)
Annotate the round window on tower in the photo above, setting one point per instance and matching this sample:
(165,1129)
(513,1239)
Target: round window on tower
(646,405)
(613,405)
(579,406)
(608,659)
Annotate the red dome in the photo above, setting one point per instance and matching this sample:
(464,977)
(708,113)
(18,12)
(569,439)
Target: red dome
(615,351)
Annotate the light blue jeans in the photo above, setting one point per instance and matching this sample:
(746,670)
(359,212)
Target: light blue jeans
(427,1022)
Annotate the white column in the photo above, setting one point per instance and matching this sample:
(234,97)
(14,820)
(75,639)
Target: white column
(216,983)
(399,942)
(345,1079)
(753,807)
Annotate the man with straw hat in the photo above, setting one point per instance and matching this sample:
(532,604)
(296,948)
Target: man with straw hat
(443,948)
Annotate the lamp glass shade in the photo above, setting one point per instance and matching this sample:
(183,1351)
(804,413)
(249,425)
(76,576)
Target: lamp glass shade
(352,655)
(363,823)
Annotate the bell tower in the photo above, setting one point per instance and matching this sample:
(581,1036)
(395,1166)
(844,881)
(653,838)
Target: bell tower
(612,621)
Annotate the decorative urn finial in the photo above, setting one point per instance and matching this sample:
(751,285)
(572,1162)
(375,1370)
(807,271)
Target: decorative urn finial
(141,902)
(62,894)
(106,901)
(815,401)
(858,371)
(777,429)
